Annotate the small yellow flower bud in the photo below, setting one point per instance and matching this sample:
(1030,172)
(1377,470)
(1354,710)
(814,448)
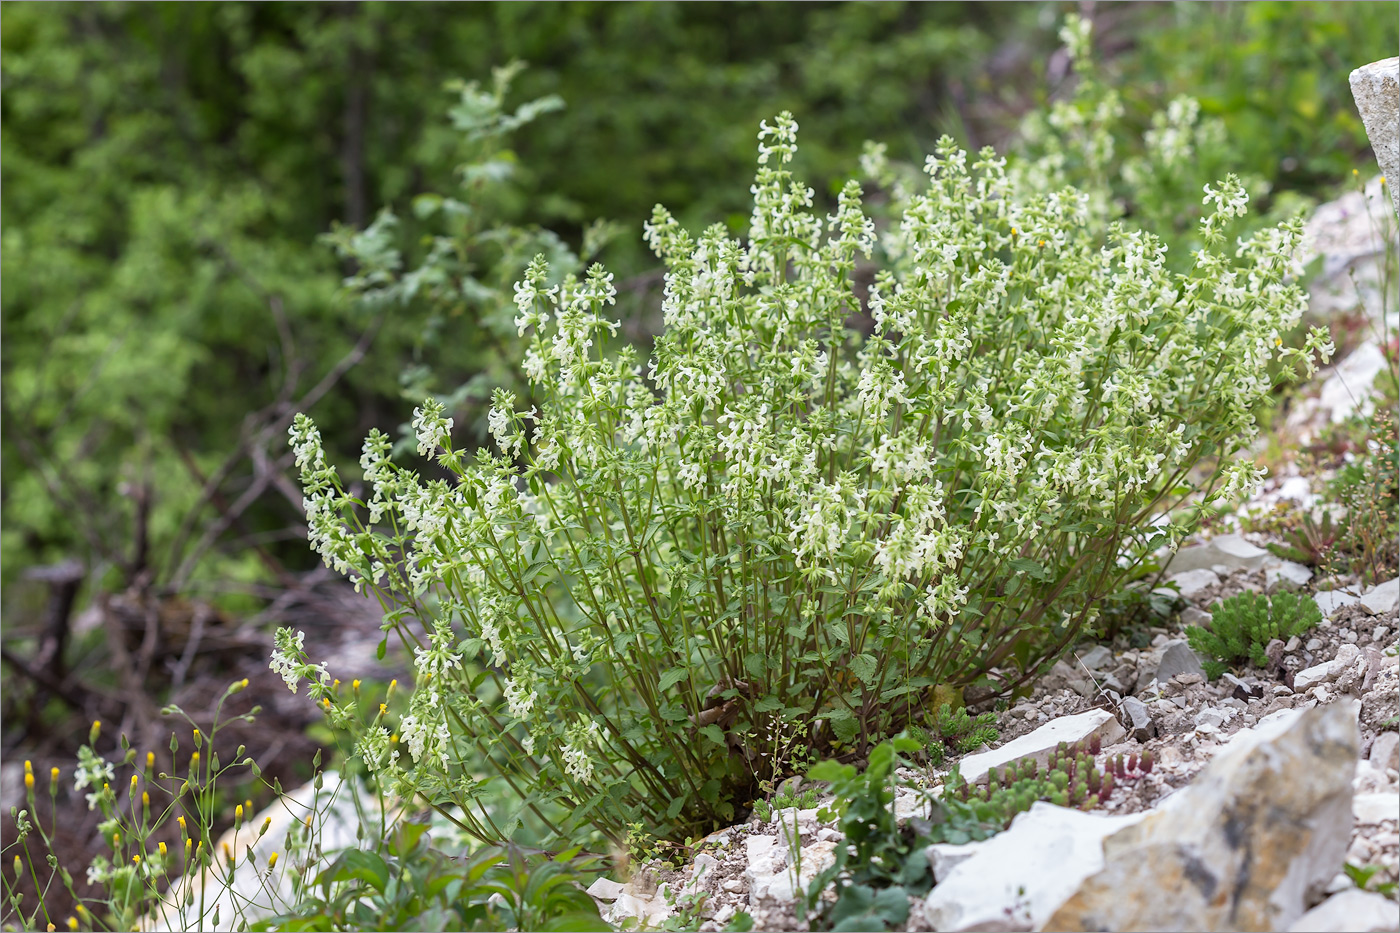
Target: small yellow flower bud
(183,827)
(145,800)
(335,685)
(198,739)
(72,923)
(267,822)
(28,781)
(28,766)
(187,848)
(133,784)
(136,860)
(162,850)
(248,805)
(272,861)
(326,701)
(238,815)
(355,686)
(194,761)
(53,775)
(116,840)
(19,868)
(94,731)
(228,853)
(150,760)
(50,928)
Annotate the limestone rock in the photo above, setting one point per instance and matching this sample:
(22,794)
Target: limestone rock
(1350,912)
(1016,880)
(256,893)
(1178,659)
(1193,581)
(1308,678)
(1138,719)
(1040,743)
(606,889)
(1285,575)
(1370,809)
(1347,390)
(1231,552)
(1242,848)
(943,857)
(1382,598)
(1330,602)
(1097,658)
(1385,751)
(1376,89)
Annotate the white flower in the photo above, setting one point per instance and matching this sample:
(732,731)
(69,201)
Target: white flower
(520,698)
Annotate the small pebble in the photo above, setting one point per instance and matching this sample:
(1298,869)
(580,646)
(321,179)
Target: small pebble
(1380,633)
(1348,636)
(1314,644)
(1293,644)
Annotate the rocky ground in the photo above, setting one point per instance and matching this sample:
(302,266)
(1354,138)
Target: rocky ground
(1158,699)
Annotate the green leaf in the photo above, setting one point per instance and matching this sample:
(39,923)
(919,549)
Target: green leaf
(714,733)
(1029,567)
(672,677)
(865,667)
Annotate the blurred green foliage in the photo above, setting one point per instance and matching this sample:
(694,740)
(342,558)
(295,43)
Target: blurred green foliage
(168,170)
(1275,73)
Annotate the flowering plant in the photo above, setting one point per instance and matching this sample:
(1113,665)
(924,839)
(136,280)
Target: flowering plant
(825,494)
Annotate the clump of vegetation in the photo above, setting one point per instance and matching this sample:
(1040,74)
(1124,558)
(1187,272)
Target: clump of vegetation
(412,886)
(954,730)
(1242,626)
(769,529)
(1369,489)
(883,864)
(1071,778)
(802,800)
(1311,541)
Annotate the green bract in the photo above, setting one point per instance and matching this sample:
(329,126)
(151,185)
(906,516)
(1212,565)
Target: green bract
(820,497)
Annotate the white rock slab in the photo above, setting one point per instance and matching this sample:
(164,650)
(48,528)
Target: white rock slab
(1370,809)
(1243,847)
(606,889)
(1347,390)
(1031,868)
(1229,551)
(1330,602)
(1040,743)
(943,857)
(1382,598)
(1350,912)
(1310,677)
(252,892)
(1286,575)
(1376,89)
(1193,581)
